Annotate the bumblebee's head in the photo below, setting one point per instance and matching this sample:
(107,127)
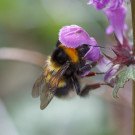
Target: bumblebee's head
(82,50)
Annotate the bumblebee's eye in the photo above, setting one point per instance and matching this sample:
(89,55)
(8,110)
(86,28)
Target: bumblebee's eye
(83,49)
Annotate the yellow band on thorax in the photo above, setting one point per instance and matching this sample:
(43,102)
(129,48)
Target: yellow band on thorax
(71,52)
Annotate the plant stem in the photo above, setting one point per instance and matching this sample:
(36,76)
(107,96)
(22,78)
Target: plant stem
(133,97)
(22,55)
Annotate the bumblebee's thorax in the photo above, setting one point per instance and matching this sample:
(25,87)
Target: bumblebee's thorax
(71,53)
(62,54)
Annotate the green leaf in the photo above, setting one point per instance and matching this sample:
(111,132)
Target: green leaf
(122,78)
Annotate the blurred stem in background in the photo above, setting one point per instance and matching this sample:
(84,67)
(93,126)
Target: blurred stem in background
(22,55)
(133,97)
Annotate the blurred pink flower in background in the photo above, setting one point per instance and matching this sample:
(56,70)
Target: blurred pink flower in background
(117,22)
(100,4)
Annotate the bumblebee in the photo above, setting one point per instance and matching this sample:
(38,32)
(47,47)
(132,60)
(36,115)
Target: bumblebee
(61,74)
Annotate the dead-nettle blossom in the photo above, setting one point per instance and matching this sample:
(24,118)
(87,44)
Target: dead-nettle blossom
(100,4)
(124,56)
(116,14)
(117,22)
(73,36)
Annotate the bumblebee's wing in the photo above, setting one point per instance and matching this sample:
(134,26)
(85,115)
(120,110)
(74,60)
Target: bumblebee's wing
(45,97)
(41,89)
(55,79)
(40,83)
(49,90)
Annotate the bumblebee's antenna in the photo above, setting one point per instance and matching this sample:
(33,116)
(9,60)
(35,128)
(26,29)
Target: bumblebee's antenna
(97,46)
(102,47)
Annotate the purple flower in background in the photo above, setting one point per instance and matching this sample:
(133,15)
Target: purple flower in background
(104,64)
(111,73)
(116,13)
(110,69)
(112,65)
(73,36)
(117,21)
(114,4)
(100,4)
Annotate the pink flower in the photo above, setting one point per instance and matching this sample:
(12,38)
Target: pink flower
(104,64)
(111,73)
(116,13)
(117,22)
(93,54)
(100,4)
(73,36)
(114,4)
(123,57)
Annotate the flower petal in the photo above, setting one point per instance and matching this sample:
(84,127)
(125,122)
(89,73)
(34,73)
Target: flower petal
(117,20)
(93,54)
(74,36)
(114,4)
(109,29)
(111,73)
(99,4)
(90,2)
(104,65)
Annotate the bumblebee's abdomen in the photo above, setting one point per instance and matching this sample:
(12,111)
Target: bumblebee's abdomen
(65,85)
(63,91)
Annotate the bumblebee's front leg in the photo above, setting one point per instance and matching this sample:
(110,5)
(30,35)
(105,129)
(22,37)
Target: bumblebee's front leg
(87,67)
(90,87)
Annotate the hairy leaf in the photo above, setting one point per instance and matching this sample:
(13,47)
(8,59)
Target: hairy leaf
(122,78)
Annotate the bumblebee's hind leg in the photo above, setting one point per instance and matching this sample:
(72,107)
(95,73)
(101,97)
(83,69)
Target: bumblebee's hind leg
(90,87)
(87,67)
(87,88)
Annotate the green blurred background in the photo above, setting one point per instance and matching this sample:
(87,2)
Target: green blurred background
(34,25)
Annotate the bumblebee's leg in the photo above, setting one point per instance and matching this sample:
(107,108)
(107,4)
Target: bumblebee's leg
(94,74)
(87,67)
(76,84)
(90,87)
